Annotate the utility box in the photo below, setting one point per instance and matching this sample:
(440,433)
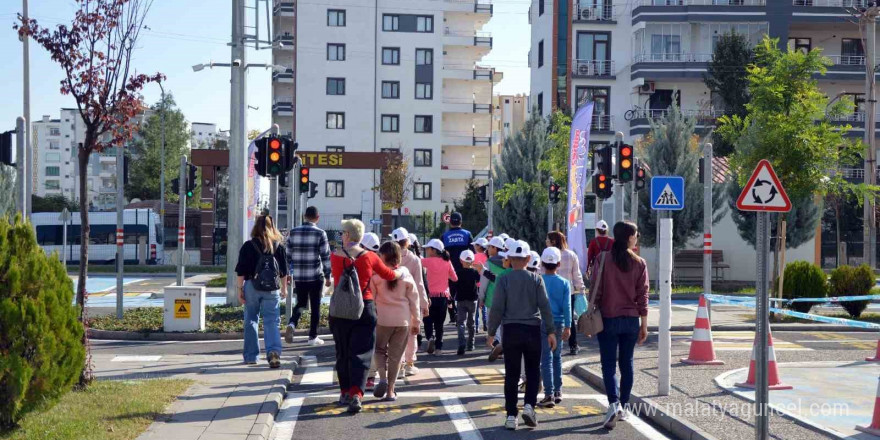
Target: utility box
(184,308)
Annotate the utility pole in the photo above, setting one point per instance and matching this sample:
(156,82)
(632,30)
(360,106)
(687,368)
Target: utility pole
(181,220)
(120,228)
(491,188)
(273,187)
(292,220)
(550,209)
(620,186)
(162,172)
(237,151)
(28,150)
(870,221)
(22,173)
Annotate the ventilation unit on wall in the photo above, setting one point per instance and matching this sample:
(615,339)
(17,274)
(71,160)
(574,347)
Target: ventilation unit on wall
(647,88)
(589,14)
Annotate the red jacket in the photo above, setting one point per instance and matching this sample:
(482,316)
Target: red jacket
(598,245)
(366,265)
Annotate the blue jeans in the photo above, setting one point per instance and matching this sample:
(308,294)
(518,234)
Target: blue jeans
(481,315)
(617,341)
(551,362)
(266,304)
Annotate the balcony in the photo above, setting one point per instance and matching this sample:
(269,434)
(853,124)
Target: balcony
(697,11)
(640,119)
(468,38)
(467,72)
(283,77)
(815,12)
(675,66)
(592,14)
(284,8)
(285,40)
(831,3)
(702,2)
(465,138)
(593,68)
(457,168)
(672,58)
(283,106)
(471,6)
(452,105)
(602,124)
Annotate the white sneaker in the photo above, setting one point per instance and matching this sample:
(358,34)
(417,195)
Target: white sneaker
(611,416)
(529,416)
(316,341)
(511,423)
(410,370)
(622,413)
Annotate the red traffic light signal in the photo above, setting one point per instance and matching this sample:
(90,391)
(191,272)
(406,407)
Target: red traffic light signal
(641,176)
(602,186)
(303,180)
(625,163)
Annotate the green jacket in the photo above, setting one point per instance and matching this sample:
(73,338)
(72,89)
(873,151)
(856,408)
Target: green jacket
(498,271)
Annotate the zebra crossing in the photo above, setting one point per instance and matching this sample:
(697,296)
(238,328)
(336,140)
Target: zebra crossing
(314,376)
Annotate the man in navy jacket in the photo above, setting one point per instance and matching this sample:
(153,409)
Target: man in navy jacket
(456,240)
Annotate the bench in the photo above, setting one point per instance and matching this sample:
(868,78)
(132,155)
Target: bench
(688,265)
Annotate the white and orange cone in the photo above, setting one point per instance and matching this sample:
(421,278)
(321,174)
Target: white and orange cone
(772,372)
(874,427)
(702,350)
(876,357)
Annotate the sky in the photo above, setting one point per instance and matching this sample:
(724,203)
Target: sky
(181,33)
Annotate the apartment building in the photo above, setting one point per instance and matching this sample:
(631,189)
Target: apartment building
(206,135)
(633,59)
(387,75)
(509,116)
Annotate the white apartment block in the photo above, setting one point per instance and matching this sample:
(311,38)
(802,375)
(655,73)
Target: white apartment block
(509,117)
(205,135)
(387,75)
(633,58)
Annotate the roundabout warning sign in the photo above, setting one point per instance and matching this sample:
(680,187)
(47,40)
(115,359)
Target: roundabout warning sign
(764,192)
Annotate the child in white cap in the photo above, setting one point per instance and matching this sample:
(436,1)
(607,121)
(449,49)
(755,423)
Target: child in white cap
(495,267)
(480,257)
(534,262)
(559,295)
(466,301)
(371,242)
(440,272)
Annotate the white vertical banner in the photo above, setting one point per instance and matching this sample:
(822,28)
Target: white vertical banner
(664,278)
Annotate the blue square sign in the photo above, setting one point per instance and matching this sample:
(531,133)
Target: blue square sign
(667,193)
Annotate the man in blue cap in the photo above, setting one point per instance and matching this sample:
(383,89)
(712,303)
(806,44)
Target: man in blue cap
(456,240)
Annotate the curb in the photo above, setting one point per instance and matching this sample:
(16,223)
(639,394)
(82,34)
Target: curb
(681,429)
(774,327)
(272,405)
(695,296)
(163,336)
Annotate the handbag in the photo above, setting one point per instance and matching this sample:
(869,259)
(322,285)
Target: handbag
(590,322)
(347,301)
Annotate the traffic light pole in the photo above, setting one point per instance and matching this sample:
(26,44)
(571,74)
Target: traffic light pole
(273,197)
(120,228)
(620,186)
(292,220)
(550,211)
(181,220)
(22,174)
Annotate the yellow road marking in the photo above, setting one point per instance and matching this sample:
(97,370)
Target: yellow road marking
(487,376)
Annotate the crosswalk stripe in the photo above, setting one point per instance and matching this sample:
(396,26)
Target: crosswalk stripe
(317,376)
(487,376)
(454,376)
(460,418)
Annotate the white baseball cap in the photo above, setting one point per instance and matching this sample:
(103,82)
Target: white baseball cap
(481,242)
(436,244)
(400,234)
(536,259)
(504,236)
(509,243)
(467,255)
(497,242)
(551,255)
(370,242)
(601,225)
(519,249)
(412,238)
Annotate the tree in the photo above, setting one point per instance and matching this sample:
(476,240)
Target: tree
(555,160)
(727,76)
(145,171)
(395,184)
(672,149)
(521,201)
(801,226)
(53,203)
(95,54)
(472,208)
(7,187)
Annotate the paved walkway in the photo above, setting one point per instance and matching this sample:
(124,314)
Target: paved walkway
(229,400)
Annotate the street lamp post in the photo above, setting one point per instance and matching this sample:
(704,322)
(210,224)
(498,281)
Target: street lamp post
(162,172)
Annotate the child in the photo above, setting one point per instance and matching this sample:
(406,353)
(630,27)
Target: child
(559,294)
(521,307)
(370,242)
(534,262)
(495,267)
(397,307)
(480,258)
(466,301)
(413,264)
(439,272)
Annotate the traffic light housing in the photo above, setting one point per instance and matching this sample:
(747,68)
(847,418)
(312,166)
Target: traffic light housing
(602,158)
(304,180)
(641,176)
(6,148)
(625,163)
(175,186)
(553,192)
(602,186)
(483,193)
(191,180)
(260,162)
(289,147)
(282,180)
(313,189)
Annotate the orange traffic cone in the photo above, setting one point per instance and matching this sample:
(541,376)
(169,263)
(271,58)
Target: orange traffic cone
(874,428)
(772,373)
(702,351)
(876,357)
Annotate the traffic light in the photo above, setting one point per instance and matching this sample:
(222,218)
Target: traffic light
(6,148)
(289,148)
(313,189)
(602,158)
(260,162)
(275,156)
(553,192)
(303,180)
(625,163)
(191,180)
(483,193)
(602,186)
(641,176)
(282,180)
(175,186)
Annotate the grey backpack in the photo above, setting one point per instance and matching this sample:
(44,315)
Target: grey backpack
(347,301)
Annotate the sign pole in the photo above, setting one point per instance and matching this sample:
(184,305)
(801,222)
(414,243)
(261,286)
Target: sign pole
(181,221)
(550,211)
(707,220)
(120,228)
(763,323)
(665,278)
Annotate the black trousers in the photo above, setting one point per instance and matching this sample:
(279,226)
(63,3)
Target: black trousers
(354,341)
(308,292)
(522,343)
(437,313)
(573,339)
(453,292)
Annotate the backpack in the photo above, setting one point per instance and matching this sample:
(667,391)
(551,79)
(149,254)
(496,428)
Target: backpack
(266,275)
(347,301)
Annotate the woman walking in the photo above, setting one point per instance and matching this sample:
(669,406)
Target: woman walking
(570,269)
(262,283)
(354,339)
(623,301)
(397,304)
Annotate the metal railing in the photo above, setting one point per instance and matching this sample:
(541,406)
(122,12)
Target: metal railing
(592,67)
(672,58)
(847,60)
(691,113)
(285,39)
(701,2)
(603,12)
(849,117)
(602,123)
(284,7)
(465,33)
(832,3)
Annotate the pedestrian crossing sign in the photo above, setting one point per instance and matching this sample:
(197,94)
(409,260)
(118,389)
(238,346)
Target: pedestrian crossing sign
(667,193)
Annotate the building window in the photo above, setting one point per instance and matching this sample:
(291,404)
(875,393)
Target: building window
(424,124)
(390,89)
(335,188)
(390,22)
(424,91)
(390,150)
(422,191)
(336,17)
(594,46)
(851,51)
(540,8)
(668,47)
(802,44)
(53,184)
(424,57)
(391,55)
(423,158)
(54,131)
(53,157)
(541,103)
(336,120)
(335,149)
(390,123)
(335,86)
(53,171)
(54,145)
(541,53)
(425,23)
(335,52)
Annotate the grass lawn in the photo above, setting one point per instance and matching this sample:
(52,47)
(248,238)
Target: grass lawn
(106,410)
(218,319)
(217,282)
(865,317)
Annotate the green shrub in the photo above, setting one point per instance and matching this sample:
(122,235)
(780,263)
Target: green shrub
(804,280)
(41,351)
(852,281)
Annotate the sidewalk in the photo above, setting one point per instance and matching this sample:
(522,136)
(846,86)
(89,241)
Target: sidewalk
(229,400)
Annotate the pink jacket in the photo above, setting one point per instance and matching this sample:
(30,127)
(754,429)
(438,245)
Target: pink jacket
(398,307)
(440,272)
(413,263)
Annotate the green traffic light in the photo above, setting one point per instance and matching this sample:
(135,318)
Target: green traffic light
(189,193)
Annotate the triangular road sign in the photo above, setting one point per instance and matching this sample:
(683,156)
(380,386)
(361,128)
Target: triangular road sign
(667,197)
(764,192)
